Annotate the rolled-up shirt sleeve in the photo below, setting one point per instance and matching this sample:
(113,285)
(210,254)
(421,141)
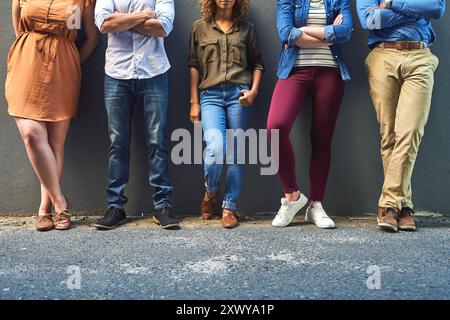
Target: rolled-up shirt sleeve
(255,61)
(341,33)
(193,60)
(165,14)
(285,23)
(103,9)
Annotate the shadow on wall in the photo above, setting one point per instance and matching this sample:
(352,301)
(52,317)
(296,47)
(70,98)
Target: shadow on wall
(355,176)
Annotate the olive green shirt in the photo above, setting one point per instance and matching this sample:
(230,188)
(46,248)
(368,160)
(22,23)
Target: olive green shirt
(224,57)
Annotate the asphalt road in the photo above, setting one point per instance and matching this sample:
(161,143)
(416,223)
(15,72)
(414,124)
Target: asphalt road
(255,261)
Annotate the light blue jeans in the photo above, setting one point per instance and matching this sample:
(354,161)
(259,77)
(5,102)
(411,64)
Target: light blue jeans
(221,110)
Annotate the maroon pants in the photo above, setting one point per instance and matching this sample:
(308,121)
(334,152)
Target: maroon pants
(327,88)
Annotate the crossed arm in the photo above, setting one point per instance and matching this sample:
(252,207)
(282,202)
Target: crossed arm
(141,21)
(314,36)
(152,23)
(374,15)
(340,31)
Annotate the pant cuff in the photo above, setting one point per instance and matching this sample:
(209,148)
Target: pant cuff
(115,205)
(389,205)
(163,205)
(211,189)
(407,205)
(290,190)
(229,205)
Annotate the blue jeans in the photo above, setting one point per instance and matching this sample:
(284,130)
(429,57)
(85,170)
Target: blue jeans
(152,95)
(221,110)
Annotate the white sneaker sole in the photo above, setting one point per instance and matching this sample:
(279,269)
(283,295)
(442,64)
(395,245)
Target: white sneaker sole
(331,226)
(322,227)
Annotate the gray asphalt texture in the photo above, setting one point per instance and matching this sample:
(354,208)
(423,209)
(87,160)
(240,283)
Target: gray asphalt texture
(250,262)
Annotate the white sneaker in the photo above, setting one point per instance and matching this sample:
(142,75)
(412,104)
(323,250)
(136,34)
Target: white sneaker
(315,214)
(288,211)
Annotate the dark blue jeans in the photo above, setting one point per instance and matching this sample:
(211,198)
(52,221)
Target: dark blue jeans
(152,95)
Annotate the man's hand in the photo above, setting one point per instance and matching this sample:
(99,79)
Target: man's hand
(386,4)
(339,19)
(120,22)
(247,98)
(149,14)
(194,114)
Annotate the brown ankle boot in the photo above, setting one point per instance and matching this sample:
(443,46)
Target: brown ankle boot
(406,220)
(388,219)
(229,219)
(207,206)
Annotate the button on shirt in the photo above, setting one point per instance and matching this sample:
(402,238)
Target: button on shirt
(130,54)
(224,57)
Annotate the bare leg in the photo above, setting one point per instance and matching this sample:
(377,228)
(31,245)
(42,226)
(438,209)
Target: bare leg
(57,133)
(35,137)
(290,197)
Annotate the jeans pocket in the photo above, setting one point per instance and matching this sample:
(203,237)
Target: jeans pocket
(203,93)
(243,87)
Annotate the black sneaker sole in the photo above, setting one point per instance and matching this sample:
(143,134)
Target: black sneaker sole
(169,226)
(102,227)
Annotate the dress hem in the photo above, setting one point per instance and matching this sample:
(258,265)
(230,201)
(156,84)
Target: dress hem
(38,119)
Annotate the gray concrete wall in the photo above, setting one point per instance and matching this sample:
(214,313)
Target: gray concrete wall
(355,177)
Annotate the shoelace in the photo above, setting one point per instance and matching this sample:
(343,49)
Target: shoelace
(388,210)
(41,218)
(113,212)
(283,214)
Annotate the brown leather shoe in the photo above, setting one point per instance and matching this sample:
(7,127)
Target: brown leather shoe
(229,219)
(207,206)
(406,220)
(387,219)
(44,223)
(62,220)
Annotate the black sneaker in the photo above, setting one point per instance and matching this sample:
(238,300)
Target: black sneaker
(113,218)
(163,217)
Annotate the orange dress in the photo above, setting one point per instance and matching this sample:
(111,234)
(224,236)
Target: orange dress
(44,73)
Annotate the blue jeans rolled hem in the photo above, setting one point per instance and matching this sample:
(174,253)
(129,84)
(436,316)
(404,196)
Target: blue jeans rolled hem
(163,205)
(229,205)
(118,206)
(214,189)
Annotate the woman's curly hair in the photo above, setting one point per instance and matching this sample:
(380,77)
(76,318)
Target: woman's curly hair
(208,9)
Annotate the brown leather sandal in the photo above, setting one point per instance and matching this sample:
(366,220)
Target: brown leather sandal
(44,222)
(62,220)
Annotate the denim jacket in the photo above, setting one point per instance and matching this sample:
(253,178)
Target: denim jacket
(293,14)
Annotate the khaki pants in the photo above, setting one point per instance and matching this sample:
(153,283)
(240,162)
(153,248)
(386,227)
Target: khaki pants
(401,85)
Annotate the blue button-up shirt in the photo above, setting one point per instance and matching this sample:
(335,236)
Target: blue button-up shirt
(405,20)
(130,54)
(293,14)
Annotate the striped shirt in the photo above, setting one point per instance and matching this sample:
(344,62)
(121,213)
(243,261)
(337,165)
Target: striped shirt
(320,56)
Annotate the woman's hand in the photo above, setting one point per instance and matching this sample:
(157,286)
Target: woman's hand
(247,98)
(194,114)
(339,19)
